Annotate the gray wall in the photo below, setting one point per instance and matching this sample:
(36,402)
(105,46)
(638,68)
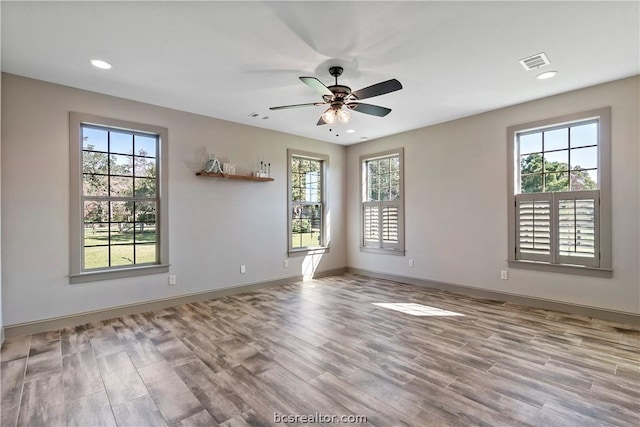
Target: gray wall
(215,224)
(456,228)
(456,202)
(1,318)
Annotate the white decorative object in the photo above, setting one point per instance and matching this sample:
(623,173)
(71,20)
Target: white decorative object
(229,169)
(265,170)
(212,165)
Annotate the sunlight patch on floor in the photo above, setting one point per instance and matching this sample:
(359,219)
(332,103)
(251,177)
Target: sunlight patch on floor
(416,309)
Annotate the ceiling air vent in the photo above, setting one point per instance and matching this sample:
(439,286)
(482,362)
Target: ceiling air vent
(535,61)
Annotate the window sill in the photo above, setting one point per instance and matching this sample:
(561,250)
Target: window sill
(562,268)
(121,273)
(399,252)
(308,251)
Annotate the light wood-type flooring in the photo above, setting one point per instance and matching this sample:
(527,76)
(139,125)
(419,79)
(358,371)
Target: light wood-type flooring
(324,347)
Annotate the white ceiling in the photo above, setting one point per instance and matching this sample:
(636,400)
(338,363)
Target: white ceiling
(230,59)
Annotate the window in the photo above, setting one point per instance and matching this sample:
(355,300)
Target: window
(382,210)
(118,199)
(306,201)
(560,191)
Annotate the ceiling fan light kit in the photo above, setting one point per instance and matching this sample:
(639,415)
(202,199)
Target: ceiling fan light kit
(340,113)
(342,100)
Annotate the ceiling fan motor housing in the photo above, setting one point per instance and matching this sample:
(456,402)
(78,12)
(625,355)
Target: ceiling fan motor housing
(340,92)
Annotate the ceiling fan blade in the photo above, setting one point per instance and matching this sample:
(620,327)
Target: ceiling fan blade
(377,89)
(321,121)
(373,110)
(284,107)
(316,85)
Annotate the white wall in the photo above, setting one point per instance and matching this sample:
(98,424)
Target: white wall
(456,202)
(215,225)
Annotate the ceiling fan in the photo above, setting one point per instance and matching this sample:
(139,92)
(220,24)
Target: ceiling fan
(341,99)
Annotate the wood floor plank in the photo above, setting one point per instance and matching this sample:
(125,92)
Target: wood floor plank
(91,410)
(42,402)
(74,339)
(139,412)
(287,359)
(171,348)
(80,375)
(358,403)
(15,348)
(11,381)
(138,346)
(9,416)
(220,401)
(121,380)
(44,361)
(104,340)
(174,399)
(303,396)
(255,394)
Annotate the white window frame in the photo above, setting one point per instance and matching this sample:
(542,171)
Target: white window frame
(324,229)
(76,272)
(380,246)
(602,264)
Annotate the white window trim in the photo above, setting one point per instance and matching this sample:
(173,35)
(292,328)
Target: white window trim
(604,186)
(399,248)
(76,274)
(324,228)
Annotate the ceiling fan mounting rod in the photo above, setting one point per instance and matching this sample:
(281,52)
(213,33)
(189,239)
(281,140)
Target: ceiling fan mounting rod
(336,72)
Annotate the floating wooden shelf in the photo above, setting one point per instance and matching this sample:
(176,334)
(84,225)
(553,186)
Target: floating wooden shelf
(240,177)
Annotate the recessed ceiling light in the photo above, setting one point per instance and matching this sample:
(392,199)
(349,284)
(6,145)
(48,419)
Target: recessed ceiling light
(363,138)
(99,63)
(351,131)
(546,75)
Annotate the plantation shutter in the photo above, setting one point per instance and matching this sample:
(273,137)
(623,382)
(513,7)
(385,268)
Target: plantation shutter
(578,227)
(559,227)
(381,222)
(534,221)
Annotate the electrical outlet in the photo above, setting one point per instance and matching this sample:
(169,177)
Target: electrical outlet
(504,275)
(172,279)
(243,269)
(286,263)
(411,263)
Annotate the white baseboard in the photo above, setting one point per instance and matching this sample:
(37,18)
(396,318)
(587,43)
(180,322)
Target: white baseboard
(158,304)
(598,313)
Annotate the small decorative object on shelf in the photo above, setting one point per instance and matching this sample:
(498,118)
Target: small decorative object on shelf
(212,165)
(264,171)
(229,169)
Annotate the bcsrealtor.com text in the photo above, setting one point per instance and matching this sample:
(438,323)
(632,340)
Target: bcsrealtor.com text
(318,418)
